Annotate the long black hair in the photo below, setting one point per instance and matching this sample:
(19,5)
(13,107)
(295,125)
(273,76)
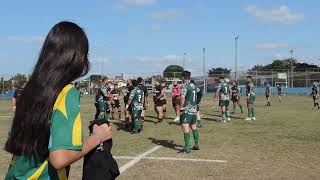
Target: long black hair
(63,59)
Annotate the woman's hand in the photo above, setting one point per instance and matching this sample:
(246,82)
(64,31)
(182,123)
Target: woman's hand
(103,132)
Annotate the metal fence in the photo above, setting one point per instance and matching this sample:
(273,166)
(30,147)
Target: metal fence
(284,78)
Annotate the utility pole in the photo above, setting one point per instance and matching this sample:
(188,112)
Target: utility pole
(204,71)
(236,59)
(291,52)
(184,60)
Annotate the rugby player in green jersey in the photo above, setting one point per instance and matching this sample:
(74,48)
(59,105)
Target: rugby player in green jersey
(224,93)
(188,112)
(102,101)
(251,97)
(268,93)
(136,100)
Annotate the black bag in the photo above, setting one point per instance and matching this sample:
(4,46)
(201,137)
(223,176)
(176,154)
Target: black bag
(99,164)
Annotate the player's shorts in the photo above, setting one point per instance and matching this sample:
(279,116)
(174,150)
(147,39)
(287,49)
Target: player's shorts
(103,106)
(235,98)
(175,102)
(164,101)
(224,102)
(267,96)
(186,118)
(158,103)
(251,99)
(116,104)
(136,114)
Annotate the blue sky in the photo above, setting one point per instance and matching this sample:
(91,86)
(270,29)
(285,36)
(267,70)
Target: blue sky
(141,36)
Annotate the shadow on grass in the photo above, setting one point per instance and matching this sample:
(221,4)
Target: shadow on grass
(122,126)
(174,123)
(166,143)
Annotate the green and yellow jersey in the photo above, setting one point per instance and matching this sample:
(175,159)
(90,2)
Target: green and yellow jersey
(65,133)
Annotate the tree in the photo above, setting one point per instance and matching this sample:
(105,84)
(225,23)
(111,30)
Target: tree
(285,64)
(173,71)
(213,72)
(277,65)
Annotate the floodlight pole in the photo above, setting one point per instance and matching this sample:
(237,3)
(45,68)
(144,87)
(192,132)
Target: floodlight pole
(236,58)
(291,52)
(204,71)
(184,60)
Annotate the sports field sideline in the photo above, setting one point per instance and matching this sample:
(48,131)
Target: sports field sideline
(284,143)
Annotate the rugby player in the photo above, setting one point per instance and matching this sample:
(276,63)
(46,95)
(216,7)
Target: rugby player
(158,96)
(224,93)
(17,94)
(199,97)
(129,88)
(103,96)
(279,93)
(188,111)
(268,93)
(163,84)
(116,101)
(175,94)
(235,96)
(145,99)
(136,99)
(251,97)
(315,95)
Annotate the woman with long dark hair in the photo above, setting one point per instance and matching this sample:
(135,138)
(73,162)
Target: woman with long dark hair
(46,135)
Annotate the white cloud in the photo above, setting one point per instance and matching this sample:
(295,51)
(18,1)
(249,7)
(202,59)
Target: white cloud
(168,14)
(124,4)
(25,40)
(281,14)
(272,46)
(152,28)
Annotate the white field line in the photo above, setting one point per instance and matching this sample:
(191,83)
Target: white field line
(6,116)
(137,159)
(173,159)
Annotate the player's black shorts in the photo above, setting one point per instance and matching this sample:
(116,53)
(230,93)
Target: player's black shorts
(158,103)
(175,102)
(164,101)
(234,98)
(116,104)
(267,96)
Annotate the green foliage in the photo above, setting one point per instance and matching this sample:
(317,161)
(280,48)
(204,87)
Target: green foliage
(281,65)
(173,71)
(213,72)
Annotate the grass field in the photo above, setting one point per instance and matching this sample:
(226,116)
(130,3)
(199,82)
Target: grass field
(284,143)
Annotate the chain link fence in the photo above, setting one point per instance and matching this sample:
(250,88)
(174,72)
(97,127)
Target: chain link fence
(284,78)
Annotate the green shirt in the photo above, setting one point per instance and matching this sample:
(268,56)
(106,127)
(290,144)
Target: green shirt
(314,91)
(137,98)
(65,133)
(224,91)
(189,91)
(249,87)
